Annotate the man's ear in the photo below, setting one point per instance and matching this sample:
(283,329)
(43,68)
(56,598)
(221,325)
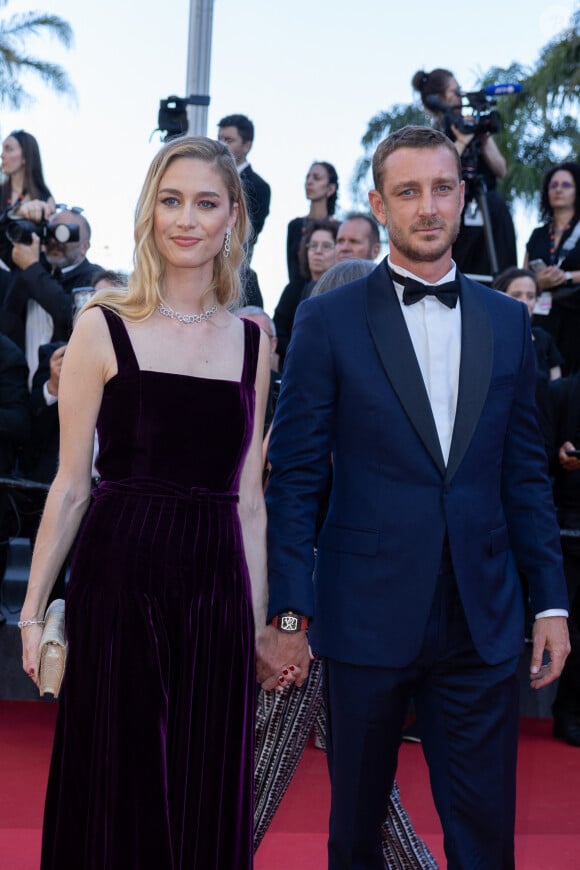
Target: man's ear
(377,206)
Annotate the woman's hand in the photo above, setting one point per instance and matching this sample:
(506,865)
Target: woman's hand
(462,140)
(550,277)
(31,635)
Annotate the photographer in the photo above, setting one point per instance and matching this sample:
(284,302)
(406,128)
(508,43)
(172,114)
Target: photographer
(482,164)
(38,305)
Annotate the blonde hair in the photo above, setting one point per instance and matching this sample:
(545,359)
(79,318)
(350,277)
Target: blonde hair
(144,292)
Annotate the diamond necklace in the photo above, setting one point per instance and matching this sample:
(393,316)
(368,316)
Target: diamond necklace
(186,318)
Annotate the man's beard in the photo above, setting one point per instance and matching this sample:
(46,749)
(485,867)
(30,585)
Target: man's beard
(416,253)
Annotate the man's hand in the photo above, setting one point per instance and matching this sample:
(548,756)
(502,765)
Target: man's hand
(550,634)
(34,210)
(55,367)
(26,255)
(568,463)
(278,651)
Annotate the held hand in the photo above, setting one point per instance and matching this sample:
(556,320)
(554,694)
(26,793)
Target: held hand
(550,634)
(26,255)
(31,636)
(277,651)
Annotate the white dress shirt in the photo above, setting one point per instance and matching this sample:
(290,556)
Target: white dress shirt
(435,332)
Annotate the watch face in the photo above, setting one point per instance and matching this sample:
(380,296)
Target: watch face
(289,623)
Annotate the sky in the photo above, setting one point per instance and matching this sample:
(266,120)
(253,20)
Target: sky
(309,74)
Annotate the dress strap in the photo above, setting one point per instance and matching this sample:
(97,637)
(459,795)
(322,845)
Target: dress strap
(251,351)
(126,359)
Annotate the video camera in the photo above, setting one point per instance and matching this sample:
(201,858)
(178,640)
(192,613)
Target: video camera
(20,231)
(484,118)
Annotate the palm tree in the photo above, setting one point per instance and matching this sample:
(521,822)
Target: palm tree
(14,61)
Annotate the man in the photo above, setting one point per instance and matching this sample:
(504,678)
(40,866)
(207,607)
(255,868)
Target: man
(237,132)
(40,299)
(358,238)
(426,406)
(14,432)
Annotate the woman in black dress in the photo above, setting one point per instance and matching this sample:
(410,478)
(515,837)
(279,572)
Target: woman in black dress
(321,191)
(152,763)
(553,252)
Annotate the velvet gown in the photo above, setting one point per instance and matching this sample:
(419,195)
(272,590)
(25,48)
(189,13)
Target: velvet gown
(152,763)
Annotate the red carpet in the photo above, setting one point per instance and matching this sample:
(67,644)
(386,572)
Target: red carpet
(548,817)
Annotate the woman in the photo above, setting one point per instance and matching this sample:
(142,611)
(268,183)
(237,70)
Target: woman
(317,253)
(22,166)
(481,159)
(522,284)
(553,252)
(285,721)
(322,192)
(152,761)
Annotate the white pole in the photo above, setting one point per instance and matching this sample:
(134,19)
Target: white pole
(199,62)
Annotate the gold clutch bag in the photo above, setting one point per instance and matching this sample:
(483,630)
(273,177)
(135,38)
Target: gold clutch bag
(52,650)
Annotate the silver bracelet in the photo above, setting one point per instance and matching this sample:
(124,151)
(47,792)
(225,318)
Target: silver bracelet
(24,623)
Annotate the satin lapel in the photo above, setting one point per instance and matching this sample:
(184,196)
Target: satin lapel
(391,337)
(474,372)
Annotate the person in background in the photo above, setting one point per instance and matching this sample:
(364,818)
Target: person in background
(237,133)
(40,299)
(553,252)
(14,435)
(419,383)
(358,238)
(24,194)
(522,284)
(481,162)
(284,721)
(317,254)
(322,193)
(566,404)
(268,327)
(166,596)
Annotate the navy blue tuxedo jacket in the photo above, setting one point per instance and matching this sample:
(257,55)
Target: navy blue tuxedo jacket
(352,389)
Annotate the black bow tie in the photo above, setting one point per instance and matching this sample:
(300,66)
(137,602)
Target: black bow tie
(447,293)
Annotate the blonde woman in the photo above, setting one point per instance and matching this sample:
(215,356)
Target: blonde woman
(152,761)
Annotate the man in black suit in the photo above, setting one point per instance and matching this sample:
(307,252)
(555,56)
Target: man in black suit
(47,278)
(14,431)
(419,383)
(237,132)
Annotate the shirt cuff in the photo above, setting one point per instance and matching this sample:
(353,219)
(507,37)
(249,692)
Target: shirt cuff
(554,612)
(48,397)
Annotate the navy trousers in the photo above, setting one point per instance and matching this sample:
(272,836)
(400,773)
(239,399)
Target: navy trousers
(468,715)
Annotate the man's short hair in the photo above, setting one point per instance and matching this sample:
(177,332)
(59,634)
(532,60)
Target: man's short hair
(374,232)
(410,137)
(242,124)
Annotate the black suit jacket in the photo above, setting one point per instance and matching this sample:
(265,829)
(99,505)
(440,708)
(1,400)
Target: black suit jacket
(55,296)
(258,194)
(14,413)
(40,459)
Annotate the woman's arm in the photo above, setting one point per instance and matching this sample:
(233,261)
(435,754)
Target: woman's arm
(493,156)
(89,362)
(252,510)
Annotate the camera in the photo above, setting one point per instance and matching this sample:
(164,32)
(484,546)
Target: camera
(483,120)
(20,232)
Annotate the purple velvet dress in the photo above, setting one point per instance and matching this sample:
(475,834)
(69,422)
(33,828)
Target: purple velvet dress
(152,764)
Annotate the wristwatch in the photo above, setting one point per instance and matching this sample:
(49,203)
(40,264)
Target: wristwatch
(568,278)
(290,622)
